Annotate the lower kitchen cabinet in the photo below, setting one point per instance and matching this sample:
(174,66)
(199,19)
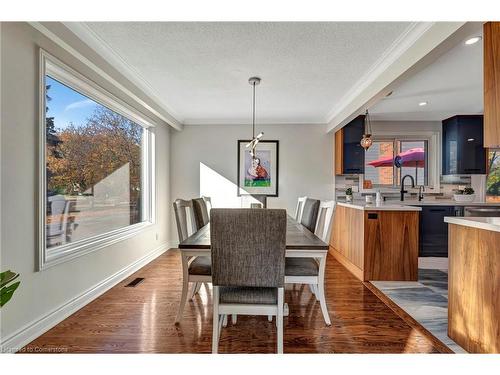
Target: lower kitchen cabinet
(434,231)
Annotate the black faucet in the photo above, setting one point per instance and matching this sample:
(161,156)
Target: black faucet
(421,190)
(403,191)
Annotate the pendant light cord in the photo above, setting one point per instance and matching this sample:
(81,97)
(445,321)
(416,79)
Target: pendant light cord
(253,114)
(368,128)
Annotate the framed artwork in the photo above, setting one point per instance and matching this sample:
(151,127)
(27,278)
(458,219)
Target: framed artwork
(258,176)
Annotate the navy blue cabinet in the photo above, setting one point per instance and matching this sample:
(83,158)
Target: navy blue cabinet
(434,231)
(463,151)
(349,155)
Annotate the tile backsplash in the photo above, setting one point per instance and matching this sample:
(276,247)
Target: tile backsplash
(448,185)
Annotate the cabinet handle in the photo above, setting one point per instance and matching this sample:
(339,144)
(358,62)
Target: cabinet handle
(437,210)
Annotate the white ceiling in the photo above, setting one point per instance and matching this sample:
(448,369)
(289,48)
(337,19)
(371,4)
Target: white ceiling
(451,85)
(200,70)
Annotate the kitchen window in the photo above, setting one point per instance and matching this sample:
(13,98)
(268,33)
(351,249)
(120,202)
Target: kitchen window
(96,183)
(493,177)
(380,169)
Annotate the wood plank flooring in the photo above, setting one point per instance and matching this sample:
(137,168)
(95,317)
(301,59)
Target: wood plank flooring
(141,320)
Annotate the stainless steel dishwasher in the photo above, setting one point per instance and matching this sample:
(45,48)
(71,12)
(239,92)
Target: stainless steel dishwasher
(482,211)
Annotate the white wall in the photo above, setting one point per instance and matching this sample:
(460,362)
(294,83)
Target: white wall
(305,162)
(42,293)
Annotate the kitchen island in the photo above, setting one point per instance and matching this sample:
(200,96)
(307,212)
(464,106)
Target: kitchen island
(377,241)
(474,283)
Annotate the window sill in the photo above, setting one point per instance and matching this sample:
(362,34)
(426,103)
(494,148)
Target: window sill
(67,252)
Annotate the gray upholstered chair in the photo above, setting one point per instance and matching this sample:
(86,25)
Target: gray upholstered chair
(309,270)
(200,210)
(196,270)
(310,213)
(248,263)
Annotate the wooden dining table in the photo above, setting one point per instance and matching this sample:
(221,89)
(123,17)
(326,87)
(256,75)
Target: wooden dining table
(300,243)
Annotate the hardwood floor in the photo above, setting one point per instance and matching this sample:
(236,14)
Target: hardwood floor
(141,320)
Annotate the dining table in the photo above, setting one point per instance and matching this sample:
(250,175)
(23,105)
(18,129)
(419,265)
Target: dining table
(300,243)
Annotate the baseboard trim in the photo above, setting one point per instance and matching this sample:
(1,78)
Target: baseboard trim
(28,333)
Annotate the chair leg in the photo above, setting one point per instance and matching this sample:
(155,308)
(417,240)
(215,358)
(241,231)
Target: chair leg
(224,321)
(194,289)
(311,287)
(215,328)
(234,317)
(198,288)
(185,288)
(270,318)
(279,320)
(321,291)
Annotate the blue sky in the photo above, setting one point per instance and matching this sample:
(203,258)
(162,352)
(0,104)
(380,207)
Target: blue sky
(67,105)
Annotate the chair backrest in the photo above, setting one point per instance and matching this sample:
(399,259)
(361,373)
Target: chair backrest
(248,247)
(185,218)
(325,215)
(200,212)
(208,202)
(59,210)
(300,207)
(310,214)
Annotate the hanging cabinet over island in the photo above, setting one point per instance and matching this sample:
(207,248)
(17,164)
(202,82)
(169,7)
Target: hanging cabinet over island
(349,155)
(377,242)
(491,51)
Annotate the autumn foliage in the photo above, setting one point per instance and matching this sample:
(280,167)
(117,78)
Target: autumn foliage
(86,154)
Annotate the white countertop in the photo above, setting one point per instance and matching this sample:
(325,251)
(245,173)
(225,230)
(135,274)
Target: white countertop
(448,202)
(385,206)
(486,223)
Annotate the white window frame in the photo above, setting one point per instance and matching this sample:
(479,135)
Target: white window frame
(53,67)
(433,156)
(394,141)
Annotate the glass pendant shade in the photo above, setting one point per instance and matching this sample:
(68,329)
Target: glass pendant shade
(366,141)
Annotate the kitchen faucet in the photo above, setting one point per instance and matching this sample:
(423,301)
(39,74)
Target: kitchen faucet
(421,190)
(403,191)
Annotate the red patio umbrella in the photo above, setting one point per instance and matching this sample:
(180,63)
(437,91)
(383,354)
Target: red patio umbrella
(414,157)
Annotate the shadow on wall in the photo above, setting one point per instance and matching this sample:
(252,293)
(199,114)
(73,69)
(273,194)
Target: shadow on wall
(223,192)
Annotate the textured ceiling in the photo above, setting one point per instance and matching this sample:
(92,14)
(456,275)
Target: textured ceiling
(451,85)
(200,70)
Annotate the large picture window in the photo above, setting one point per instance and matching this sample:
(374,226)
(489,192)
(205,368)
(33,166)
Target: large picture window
(96,178)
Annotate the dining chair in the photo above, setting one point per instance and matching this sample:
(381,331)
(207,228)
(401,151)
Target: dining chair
(208,202)
(309,270)
(325,215)
(200,210)
(57,229)
(248,263)
(299,208)
(309,214)
(196,270)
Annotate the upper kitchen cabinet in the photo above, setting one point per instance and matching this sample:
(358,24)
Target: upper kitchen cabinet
(463,151)
(349,155)
(491,47)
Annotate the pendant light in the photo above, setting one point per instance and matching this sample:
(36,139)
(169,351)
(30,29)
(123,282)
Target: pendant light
(254,81)
(367,141)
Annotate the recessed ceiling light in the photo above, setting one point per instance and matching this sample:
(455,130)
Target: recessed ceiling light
(421,104)
(473,40)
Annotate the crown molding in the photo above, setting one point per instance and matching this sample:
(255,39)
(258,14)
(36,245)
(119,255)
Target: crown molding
(418,40)
(162,112)
(239,121)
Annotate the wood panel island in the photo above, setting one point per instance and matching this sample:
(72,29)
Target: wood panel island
(377,242)
(474,283)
